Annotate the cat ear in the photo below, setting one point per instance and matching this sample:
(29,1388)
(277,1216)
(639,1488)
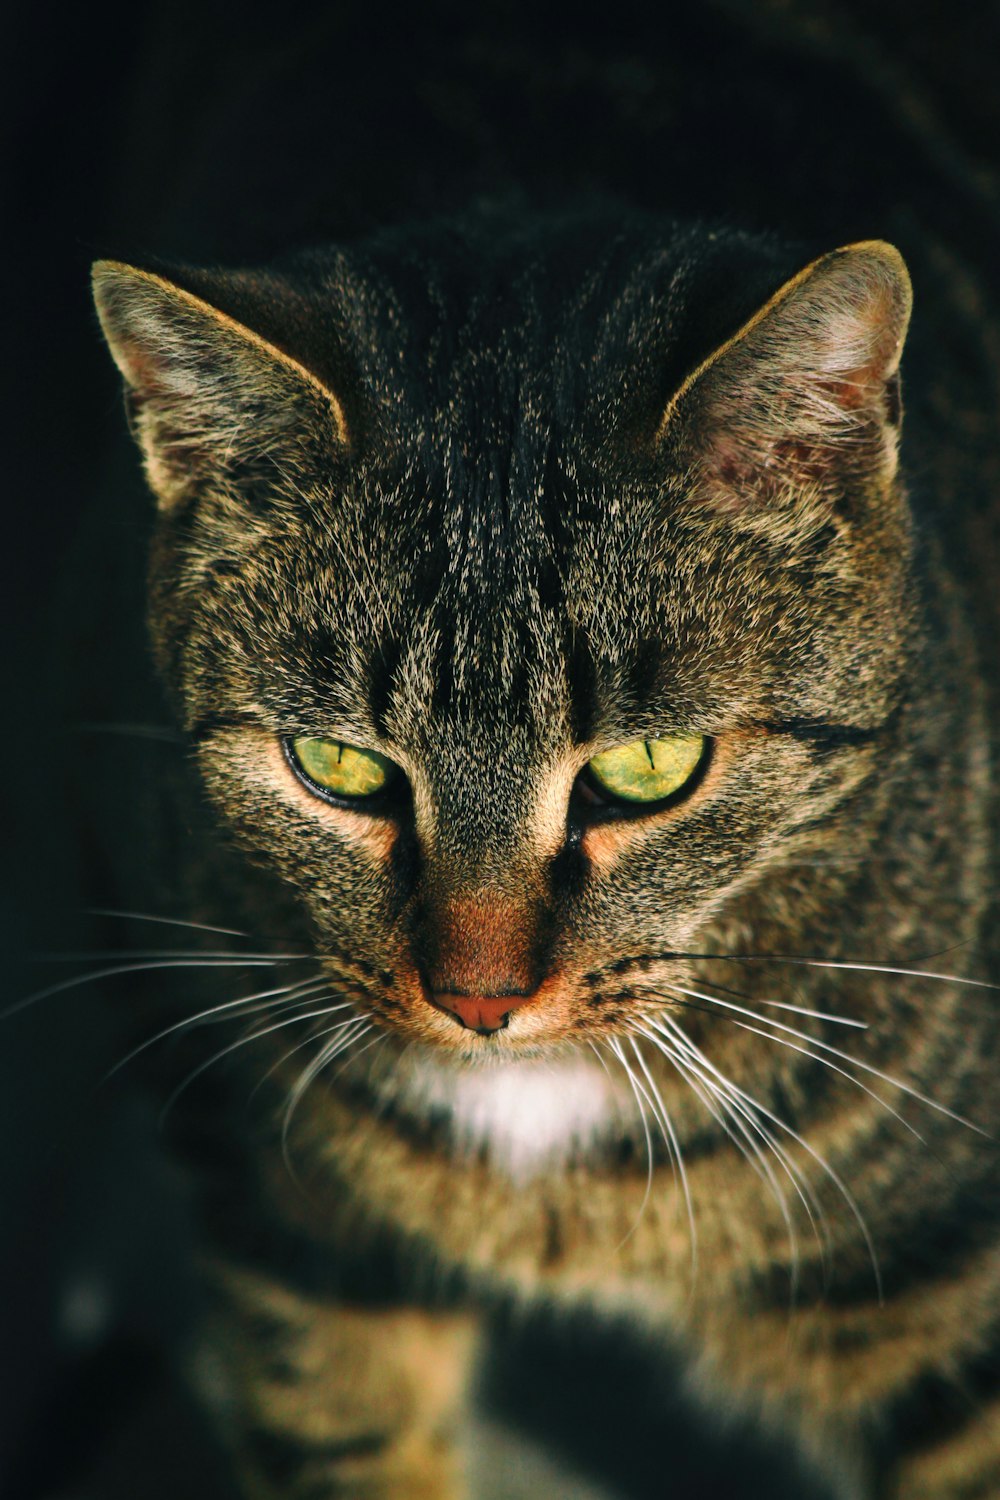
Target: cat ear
(206,394)
(802,403)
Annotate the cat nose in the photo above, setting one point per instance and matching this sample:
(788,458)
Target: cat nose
(478,956)
(484,1014)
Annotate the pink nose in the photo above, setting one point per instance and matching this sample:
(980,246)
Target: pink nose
(482,1013)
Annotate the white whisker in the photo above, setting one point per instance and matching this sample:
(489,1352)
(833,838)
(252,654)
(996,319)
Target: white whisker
(743,1128)
(818,1015)
(856,1062)
(614,1046)
(142,916)
(149,953)
(299,1046)
(795,1047)
(116,970)
(782,1125)
(351,1030)
(676,1155)
(820,963)
(284,997)
(244,1041)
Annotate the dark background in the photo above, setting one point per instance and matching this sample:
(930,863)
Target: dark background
(179,131)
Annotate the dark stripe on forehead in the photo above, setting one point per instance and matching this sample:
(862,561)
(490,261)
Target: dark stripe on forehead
(382,671)
(581,680)
(642,672)
(488,644)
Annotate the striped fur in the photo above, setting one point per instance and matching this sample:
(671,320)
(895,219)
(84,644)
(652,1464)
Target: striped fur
(522,493)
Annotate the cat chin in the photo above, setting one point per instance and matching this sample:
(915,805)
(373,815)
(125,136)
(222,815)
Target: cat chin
(525,1116)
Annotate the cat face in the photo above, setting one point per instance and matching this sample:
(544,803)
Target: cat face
(486,509)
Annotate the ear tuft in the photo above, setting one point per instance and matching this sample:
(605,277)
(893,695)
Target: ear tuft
(206,393)
(805,396)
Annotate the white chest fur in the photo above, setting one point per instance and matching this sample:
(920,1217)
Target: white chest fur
(524,1115)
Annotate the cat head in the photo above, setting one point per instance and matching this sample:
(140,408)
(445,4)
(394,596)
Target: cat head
(533,596)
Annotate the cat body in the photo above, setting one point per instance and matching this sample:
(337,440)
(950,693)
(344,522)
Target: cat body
(488,498)
(491,474)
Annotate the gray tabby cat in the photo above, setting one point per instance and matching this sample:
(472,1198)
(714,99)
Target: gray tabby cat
(582,703)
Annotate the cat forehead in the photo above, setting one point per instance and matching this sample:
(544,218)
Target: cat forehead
(482,606)
(489,314)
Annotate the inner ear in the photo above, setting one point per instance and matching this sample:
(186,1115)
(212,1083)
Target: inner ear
(206,393)
(804,398)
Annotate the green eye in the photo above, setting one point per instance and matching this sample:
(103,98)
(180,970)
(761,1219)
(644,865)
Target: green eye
(339,768)
(648,770)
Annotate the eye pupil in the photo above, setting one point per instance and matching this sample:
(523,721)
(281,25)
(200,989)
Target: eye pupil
(647,770)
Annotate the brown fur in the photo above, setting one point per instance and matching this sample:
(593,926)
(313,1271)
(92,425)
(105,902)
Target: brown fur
(746,567)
